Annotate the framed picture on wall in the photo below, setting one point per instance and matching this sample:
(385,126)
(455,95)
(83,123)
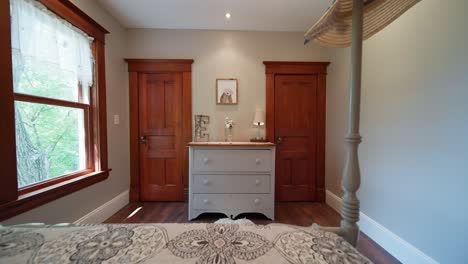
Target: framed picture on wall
(226,92)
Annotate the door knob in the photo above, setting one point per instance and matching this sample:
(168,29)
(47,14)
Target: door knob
(143,140)
(279,140)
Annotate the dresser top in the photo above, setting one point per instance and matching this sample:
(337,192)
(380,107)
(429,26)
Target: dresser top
(234,144)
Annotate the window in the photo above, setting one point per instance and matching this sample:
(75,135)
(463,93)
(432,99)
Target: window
(52,76)
(53,102)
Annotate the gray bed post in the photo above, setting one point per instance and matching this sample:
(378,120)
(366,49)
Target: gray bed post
(351,173)
(351,179)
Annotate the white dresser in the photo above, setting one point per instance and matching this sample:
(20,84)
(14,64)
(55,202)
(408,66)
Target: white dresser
(231,178)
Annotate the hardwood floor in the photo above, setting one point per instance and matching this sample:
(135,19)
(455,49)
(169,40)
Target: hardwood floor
(294,213)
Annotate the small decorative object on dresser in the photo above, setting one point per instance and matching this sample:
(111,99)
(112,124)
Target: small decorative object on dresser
(228,129)
(200,128)
(231,178)
(259,121)
(226,91)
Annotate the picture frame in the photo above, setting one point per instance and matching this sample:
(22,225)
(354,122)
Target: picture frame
(227,91)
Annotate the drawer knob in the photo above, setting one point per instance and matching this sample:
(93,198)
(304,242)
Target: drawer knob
(256,201)
(258,161)
(257,182)
(206,182)
(205,160)
(205,201)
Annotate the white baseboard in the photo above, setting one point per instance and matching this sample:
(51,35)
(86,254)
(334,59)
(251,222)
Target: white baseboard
(393,244)
(333,201)
(106,210)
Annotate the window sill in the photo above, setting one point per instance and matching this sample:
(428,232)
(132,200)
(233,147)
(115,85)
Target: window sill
(34,199)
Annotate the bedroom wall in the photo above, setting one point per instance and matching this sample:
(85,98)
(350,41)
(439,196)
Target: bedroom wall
(78,204)
(414,125)
(224,54)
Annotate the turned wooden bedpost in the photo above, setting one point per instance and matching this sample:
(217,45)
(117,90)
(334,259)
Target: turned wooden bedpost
(351,173)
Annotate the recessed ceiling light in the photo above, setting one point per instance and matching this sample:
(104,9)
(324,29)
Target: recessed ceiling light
(228,15)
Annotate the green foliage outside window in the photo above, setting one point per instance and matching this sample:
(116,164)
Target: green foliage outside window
(50,139)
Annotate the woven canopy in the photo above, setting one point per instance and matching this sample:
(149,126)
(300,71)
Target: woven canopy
(334,27)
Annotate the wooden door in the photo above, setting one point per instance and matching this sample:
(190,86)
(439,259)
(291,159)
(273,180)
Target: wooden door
(295,121)
(161,140)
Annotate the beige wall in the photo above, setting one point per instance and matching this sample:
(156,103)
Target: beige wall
(76,205)
(224,54)
(414,153)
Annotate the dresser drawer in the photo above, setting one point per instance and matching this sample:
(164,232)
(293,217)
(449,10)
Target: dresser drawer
(215,183)
(232,201)
(231,160)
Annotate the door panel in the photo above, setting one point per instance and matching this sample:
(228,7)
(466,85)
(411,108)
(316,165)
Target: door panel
(160,113)
(295,119)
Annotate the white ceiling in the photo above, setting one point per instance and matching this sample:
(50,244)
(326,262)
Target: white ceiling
(255,15)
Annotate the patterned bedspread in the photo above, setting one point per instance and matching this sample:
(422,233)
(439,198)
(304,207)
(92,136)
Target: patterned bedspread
(173,243)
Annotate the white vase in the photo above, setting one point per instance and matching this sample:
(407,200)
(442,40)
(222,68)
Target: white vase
(228,131)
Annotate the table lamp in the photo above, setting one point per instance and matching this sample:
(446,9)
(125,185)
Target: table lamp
(259,120)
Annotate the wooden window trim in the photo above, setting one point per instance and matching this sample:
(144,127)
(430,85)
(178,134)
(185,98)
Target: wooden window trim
(45,195)
(14,201)
(70,12)
(87,113)
(40,185)
(9,186)
(49,101)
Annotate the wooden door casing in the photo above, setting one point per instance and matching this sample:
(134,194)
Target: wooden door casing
(160,102)
(306,161)
(161,137)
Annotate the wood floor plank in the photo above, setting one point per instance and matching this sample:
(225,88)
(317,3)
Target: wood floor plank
(293,213)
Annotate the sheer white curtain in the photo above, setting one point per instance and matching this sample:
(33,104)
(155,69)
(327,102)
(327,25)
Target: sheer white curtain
(43,41)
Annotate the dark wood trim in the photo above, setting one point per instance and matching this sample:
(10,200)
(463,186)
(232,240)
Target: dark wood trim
(135,67)
(270,107)
(134,142)
(159,61)
(34,199)
(159,65)
(273,68)
(101,106)
(94,115)
(89,138)
(321,133)
(186,127)
(232,144)
(53,181)
(49,101)
(9,183)
(70,12)
(14,201)
(295,67)
(80,92)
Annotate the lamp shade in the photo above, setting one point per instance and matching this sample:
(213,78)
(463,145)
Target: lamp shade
(259,119)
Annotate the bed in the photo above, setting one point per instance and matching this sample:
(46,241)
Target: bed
(174,243)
